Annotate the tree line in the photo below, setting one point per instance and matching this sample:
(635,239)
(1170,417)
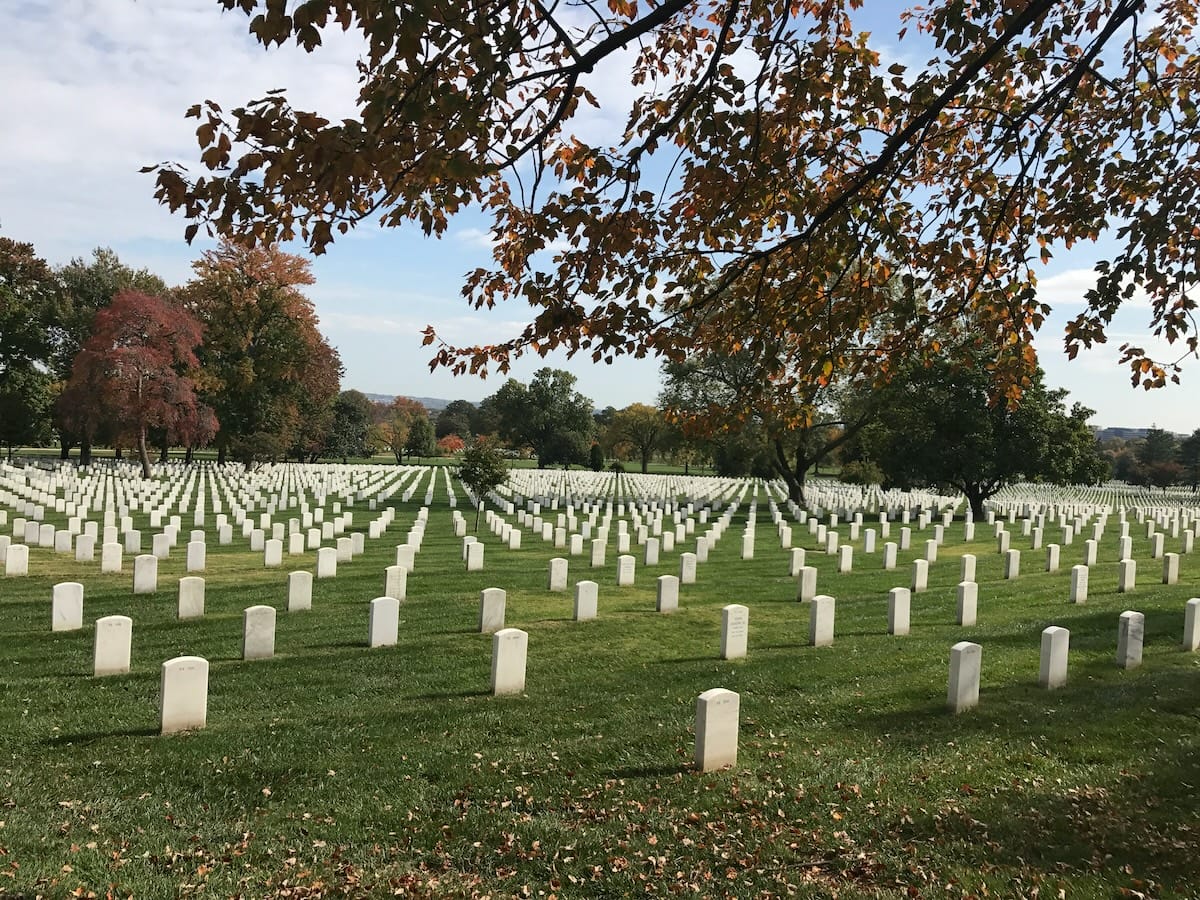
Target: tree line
(96,352)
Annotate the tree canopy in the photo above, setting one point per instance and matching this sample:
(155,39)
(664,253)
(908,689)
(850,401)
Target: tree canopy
(136,370)
(268,372)
(940,428)
(772,173)
(548,415)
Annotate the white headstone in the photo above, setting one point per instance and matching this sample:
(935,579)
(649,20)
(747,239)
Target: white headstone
(191,597)
(1052,557)
(16,561)
(667,594)
(1191,625)
(586,596)
(806,584)
(196,555)
(66,606)
(145,574)
(183,697)
(1170,568)
(110,557)
(258,632)
(963,689)
(383,625)
(1055,646)
(475,557)
(889,555)
(1130,632)
(557,575)
(625,570)
(491,609)
(1079,584)
(327,562)
(1126,575)
(273,553)
(899,603)
(716,729)
(820,621)
(395,582)
(735,630)
(1012,564)
(114,640)
(968,600)
(920,575)
(299,591)
(687,568)
(510,647)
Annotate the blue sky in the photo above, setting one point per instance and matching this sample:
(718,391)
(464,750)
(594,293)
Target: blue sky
(96,89)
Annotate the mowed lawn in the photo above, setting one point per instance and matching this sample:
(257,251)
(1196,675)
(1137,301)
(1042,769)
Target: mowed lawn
(338,770)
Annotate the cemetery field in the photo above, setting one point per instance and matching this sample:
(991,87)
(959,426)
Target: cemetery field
(333,769)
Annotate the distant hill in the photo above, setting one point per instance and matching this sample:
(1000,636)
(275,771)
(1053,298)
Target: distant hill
(430,403)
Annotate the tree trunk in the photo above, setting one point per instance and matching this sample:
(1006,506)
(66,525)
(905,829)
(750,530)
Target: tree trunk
(793,476)
(189,454)
(645,461)
(975,496)
(143,453)
(85,451)
(118,452)
(222,454)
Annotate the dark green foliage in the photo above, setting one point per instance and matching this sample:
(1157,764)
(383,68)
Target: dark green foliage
(549,416)
(943,427)
(350,428)
(483,469)
(421,440)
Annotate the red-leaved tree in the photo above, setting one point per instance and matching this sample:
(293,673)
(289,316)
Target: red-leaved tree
(134,372)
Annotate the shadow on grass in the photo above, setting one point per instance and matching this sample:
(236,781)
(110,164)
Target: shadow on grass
(88,737)
(452,695)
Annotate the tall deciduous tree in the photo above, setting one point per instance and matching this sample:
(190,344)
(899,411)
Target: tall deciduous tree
(456,419)
(88,286)
(942,428)
(640,427)
(421,439)
(549,416)
(1189,459)
(729,398)
(139,361)
(268,371)
(29,296)
(805,170)
(396,421)
(349,433)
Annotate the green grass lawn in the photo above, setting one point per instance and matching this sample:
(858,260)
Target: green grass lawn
(335,770)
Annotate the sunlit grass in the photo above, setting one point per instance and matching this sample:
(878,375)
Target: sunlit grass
(334,769)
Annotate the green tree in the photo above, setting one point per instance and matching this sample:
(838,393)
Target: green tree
(421,438)
(640,427)
(26,398)
(596,457)
(1156,447)
(945,429)
(716,396)
(483,469)
(456,419)
(29,296)
(350,429)
(1189,459)
(549,416)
